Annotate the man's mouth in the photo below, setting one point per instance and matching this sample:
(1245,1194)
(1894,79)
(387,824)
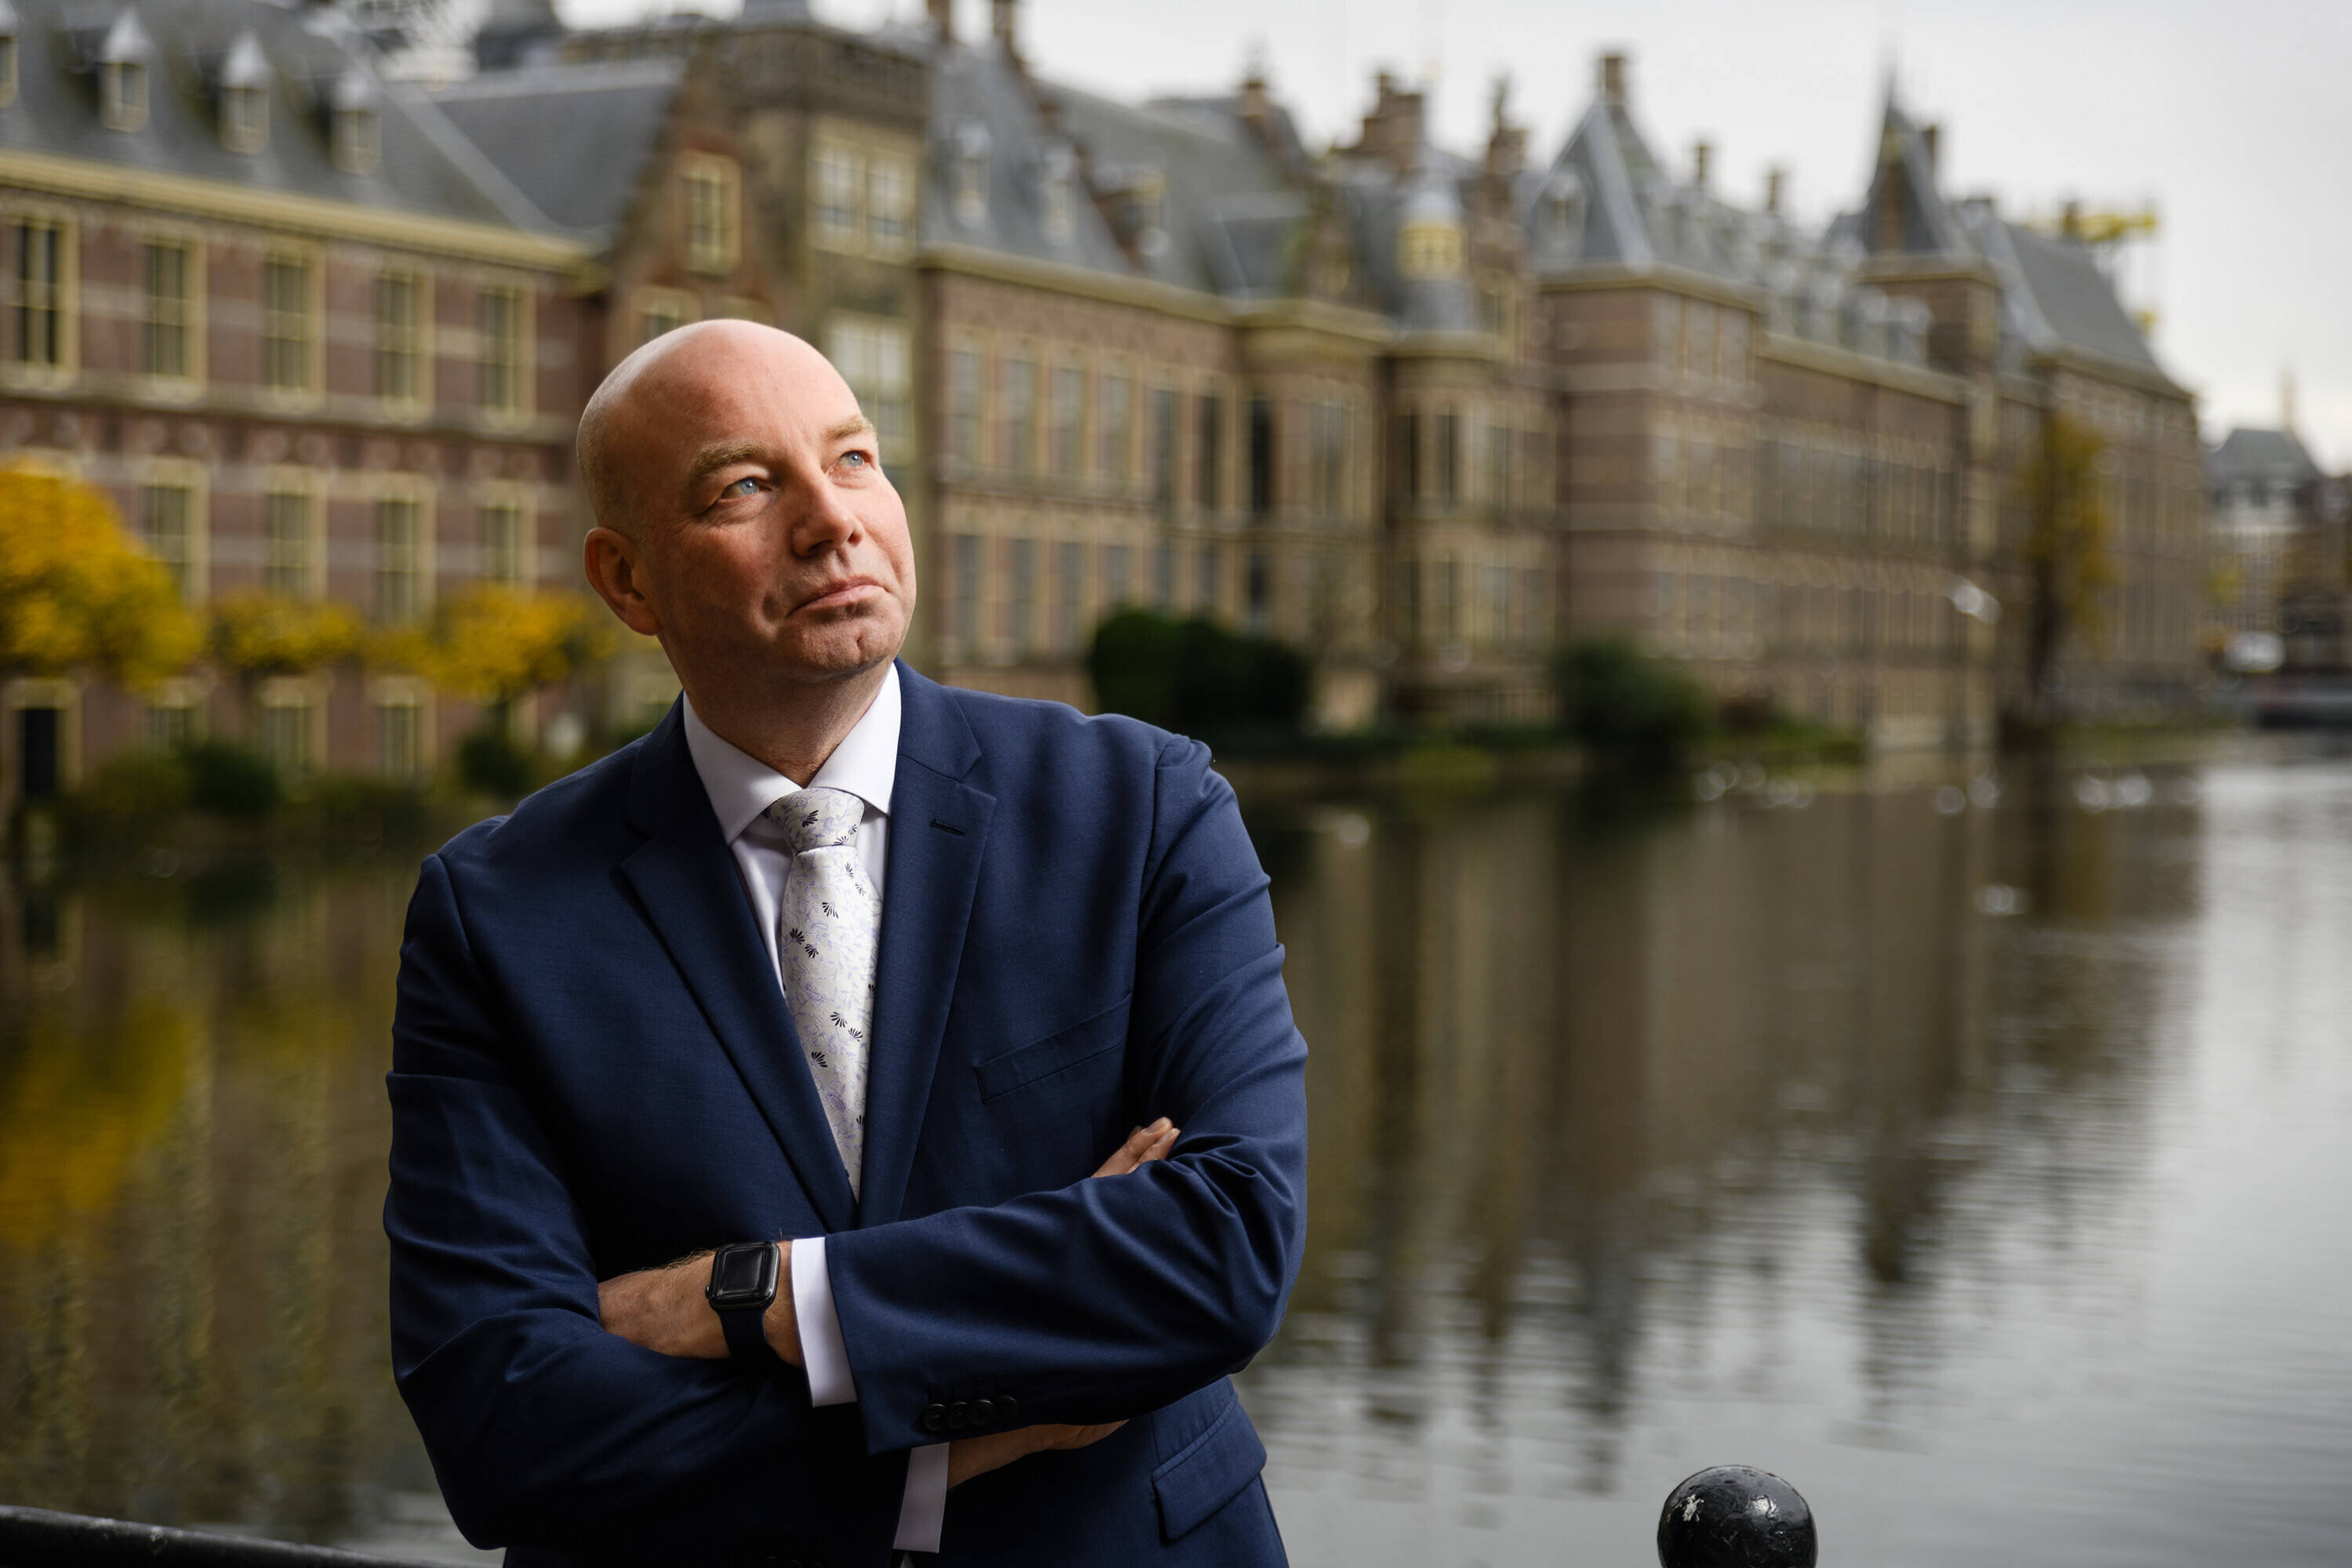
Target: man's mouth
(842,595)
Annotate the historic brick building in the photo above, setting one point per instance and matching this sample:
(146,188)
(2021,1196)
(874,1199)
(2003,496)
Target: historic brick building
(306,339)
(1425,416)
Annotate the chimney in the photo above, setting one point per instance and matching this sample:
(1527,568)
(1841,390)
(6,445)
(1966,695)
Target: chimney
(2287,400)
(1506,144)
(1773,177)
(942,19)
(1700,151)
(1931,135)
(1612,80)
(2070,220)
(1000,26)
(1255,105)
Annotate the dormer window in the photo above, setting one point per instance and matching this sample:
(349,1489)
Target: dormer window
(7,54)
(1431,248)
(122,74)
(1057,175)
(244,96)
(356,127)
(970,151)
(1564,205)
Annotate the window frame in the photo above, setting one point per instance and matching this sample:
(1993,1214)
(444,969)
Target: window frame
(60,302)
(310,486)
(193,570)
(312,318)
(717,254)
(419,352)
(520,384)
(192,324)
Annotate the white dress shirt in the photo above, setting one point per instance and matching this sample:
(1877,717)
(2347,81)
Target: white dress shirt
(740,787)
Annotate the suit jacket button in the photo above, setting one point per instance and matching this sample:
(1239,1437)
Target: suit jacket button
(1008,1409)
(959,1416)
(935,1418)
(983,1412)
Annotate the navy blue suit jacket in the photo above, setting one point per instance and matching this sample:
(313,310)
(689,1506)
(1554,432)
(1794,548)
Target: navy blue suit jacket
(593,1071)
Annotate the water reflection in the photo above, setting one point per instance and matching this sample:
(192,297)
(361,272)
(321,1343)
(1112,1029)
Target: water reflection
(1912,1144)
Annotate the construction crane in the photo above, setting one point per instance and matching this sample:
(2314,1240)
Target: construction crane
(2104,233)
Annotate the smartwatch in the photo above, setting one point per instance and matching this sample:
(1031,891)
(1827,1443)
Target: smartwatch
(743,1281)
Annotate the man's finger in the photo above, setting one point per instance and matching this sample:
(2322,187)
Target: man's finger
(1139,1147)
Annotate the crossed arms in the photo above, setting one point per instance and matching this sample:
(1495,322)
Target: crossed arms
(1097,1301)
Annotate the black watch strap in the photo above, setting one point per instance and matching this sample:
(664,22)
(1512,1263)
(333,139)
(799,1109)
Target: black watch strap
(747,1338)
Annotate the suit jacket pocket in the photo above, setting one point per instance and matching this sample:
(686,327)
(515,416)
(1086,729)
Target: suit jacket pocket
(1208,1472)
(1058,1052)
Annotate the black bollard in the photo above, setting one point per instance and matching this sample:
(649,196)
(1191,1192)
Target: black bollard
(1736,1516)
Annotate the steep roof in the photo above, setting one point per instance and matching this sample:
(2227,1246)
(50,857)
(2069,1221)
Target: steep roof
(305,57)
(1903,188)
(2054,296)
(574,139)
(2274,456)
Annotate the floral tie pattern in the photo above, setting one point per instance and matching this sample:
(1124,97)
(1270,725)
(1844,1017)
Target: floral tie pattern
(828,924)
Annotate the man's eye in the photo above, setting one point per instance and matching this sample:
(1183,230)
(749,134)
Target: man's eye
(742,488)
(855,459)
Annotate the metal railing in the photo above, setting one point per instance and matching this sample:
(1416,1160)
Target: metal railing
(1729,1516)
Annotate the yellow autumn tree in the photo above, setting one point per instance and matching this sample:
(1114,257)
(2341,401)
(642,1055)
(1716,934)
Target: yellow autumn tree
(2062,494)
(259,635)
(497,644)
(77,592)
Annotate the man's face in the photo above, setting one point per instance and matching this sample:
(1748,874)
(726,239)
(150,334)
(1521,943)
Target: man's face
(770,548)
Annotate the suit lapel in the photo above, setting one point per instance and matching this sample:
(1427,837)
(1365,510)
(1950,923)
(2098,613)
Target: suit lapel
(938,830)
(686,880)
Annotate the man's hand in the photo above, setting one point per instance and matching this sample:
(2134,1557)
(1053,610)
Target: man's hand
(664,1310)
(969,1457)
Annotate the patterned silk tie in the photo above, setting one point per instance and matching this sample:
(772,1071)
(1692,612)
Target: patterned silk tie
(828,924)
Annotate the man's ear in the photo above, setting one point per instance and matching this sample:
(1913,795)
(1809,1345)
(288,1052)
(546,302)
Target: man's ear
(616,571)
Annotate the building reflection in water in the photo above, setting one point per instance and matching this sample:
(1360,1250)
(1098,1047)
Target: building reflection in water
(1590,1093)
(1609,1112)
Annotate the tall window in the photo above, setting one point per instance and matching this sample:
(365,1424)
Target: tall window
(400,739)
(1020,399)
(289,545)
(1113,394)
(400,582)
(965,579)
(837,179)
(963,406)
(1020,603)
(709,194)
(872,356)
(122,94)
(400,337)
(1261,457)
(502,351)
(1116,587)
(1500,439)
(506,549)
(286,728)
(1209,592)
(662,310)
(171,305)
(889,204)
(1163,450)
(288,332)
(39,246)
(168,517)
(1405,458)
(1208,483)
(1449,457)
(1069,389)
(1163,577)
(245,118)
(1069,594)
(1326,457)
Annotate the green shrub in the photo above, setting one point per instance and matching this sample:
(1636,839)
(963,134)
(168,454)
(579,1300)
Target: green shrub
(489,763)
(231,780)
(1630,710)
(350,811)
(1197,677)
(143,786)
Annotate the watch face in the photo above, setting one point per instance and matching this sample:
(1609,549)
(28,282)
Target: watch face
(741,1274)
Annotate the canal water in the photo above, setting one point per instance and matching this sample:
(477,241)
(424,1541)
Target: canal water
(1972,1154)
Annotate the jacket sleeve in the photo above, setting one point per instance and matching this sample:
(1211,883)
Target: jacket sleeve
(1107,1299)
(542,1428)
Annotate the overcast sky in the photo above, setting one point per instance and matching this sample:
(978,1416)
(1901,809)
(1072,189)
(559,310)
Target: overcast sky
(2235,121)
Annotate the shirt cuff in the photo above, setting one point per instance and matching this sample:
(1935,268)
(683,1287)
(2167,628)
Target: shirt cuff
(823,1355)
(923,1507)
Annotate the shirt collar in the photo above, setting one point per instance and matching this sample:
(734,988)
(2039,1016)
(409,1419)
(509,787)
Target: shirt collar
(740,786)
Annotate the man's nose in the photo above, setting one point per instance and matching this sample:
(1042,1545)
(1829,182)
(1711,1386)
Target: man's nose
(821,519)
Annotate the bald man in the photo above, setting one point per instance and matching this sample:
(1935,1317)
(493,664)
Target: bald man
(861,1119)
